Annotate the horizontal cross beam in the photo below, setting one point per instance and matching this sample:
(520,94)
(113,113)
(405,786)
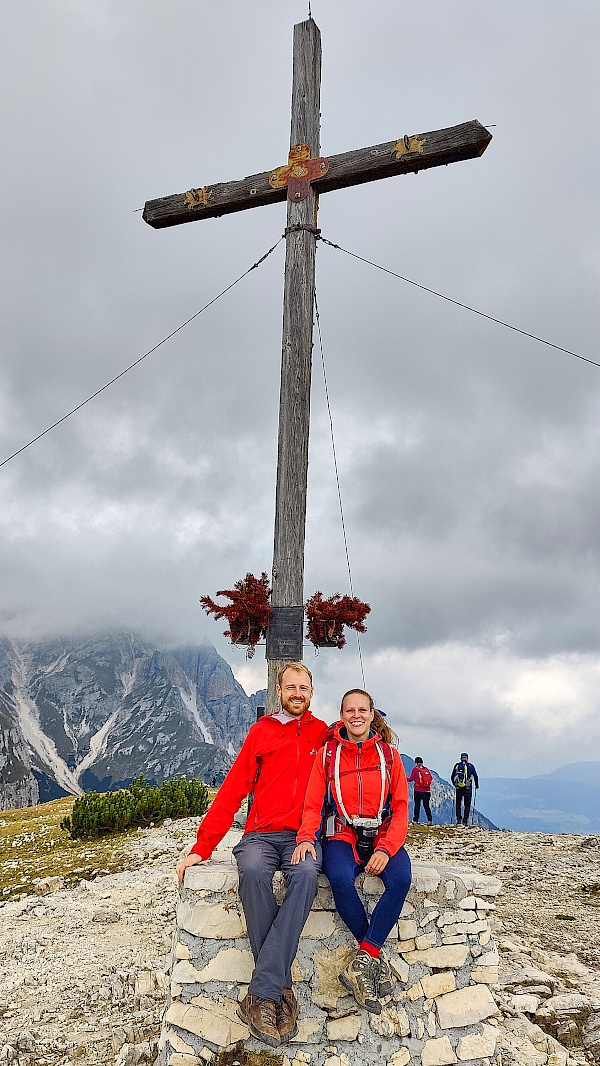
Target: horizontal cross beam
(404,156)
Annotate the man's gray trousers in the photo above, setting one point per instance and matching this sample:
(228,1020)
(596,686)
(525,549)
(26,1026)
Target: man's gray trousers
(274,931)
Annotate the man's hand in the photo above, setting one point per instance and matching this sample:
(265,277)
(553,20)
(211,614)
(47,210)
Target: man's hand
(190,860)
(377,862)
(301,851)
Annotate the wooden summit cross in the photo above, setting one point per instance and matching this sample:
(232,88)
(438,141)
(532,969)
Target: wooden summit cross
(301,181)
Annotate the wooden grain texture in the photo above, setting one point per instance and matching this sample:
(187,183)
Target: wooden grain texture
(440,147)
(296,347)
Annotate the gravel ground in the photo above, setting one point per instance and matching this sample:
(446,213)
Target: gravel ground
(82,972)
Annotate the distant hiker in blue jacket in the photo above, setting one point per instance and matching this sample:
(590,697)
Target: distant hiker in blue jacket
(463,776)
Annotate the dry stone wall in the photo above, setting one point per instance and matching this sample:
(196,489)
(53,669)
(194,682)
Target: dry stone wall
(442,953)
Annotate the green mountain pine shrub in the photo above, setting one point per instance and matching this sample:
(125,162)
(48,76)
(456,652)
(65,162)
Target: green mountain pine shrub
(97,814)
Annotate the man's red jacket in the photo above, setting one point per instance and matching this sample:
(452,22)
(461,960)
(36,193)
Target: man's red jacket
(360,780)
(275,763)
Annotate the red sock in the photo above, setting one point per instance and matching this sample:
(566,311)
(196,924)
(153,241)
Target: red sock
(370,950)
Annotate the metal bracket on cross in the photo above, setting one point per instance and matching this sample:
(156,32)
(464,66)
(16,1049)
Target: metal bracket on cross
(198,197)
(298,172)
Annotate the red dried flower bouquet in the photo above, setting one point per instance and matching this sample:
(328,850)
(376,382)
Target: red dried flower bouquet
(249,612)
(327,618)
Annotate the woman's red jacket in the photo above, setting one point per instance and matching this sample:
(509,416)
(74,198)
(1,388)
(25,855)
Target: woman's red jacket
(360,782)
(275,763)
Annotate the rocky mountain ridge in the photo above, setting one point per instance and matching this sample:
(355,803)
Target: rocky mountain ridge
(91,714)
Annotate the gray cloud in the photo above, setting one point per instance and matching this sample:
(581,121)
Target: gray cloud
(467,453)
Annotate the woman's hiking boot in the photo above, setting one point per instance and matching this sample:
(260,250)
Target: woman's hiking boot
(360,978)
(260,1015)
(384,977)
(287,1015)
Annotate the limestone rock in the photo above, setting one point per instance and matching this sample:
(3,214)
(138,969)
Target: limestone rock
(465,1006)
(449,918)
(400,968)
(177,1043)
(319,925)
(215,1022)
(517,979)
(438,1053)
(310,1029)
(485,975)
(346,1028)
(213,877)
(400,1058)
(229,964)
(391,1021)
(525,1003)
(591,1037)
(328,964)
(442,958)
(48,884)
(425,940)
(214,921)
(478,1045)
(438,983)
(407,929)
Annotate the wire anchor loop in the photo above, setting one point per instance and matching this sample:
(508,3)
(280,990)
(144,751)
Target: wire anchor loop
(303,226)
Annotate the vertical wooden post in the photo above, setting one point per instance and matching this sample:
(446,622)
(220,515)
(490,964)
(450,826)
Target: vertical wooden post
(296,354)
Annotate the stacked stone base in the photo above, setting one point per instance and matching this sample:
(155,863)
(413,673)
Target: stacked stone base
(442,1010)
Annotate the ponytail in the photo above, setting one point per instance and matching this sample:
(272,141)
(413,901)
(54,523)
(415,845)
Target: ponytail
(383,728)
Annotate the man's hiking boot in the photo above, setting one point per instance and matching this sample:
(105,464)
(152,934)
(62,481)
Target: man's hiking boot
(260,1015)
(287,1015)
(360,978)
(384,977)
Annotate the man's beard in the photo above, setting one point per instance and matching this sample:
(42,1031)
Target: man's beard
(296,710)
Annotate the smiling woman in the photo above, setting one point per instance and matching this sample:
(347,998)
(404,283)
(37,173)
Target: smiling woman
(361,781)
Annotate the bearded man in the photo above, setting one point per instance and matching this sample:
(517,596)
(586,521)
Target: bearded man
(274,765)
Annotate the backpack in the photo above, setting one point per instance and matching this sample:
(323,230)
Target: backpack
(330,764)
(424,777)
(461,775)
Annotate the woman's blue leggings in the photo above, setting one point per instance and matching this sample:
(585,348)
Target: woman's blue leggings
(342,869)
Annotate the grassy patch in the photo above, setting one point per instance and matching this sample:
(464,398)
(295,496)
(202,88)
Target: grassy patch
(237,1056)
(33,845)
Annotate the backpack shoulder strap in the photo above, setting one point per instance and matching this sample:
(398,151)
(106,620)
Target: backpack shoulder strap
(329,749)
(389,759)
(386,758)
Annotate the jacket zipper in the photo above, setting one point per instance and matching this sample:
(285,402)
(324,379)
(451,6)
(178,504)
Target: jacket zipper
(359,780)
(297,761)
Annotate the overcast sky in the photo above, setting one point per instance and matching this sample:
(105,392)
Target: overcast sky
(467,452)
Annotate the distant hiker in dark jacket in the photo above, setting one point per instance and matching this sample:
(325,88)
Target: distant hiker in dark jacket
(421,778)
(463,776)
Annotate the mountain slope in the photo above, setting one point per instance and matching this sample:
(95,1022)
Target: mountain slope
(93,713)
(567,800)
